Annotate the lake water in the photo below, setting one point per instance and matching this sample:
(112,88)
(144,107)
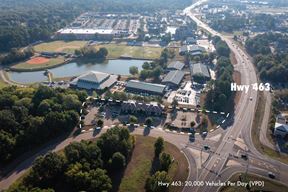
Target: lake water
(118,67)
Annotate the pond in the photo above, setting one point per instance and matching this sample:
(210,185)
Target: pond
(117,67)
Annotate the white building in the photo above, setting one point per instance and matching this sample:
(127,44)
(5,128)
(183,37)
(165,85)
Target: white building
(85,34)
(94,80)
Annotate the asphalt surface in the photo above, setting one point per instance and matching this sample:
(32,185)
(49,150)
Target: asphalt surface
(243,120)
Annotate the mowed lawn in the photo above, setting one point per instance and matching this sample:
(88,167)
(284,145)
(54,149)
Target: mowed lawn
(61,46)
(139,167)
(269,185)
(27,66)
(117,50)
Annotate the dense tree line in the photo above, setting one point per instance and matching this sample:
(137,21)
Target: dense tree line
(219,95)
(280,102)
(29,117)
(91,52)
(16,55)
(229,23)
(270,52)
(83,166)
(155,68)
(26,21)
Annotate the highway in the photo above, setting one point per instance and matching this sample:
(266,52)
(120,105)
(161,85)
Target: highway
(222,151)
(243,119)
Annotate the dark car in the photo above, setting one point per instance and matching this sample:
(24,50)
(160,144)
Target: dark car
(244,156)
(271,175)
(192,138)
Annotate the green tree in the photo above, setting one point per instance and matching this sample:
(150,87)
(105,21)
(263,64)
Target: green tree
(146,65)
(165,161)
(192,124)
(152,182)
(133,70)
(100,123)
(46,169)
(148,121)
(102,52)
(118,161)
(133,119)
(144,74)
(115,140)
(8,143)
(158,146)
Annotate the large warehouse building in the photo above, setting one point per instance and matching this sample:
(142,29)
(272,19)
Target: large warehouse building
(173,78)
(141,87)
(85,34)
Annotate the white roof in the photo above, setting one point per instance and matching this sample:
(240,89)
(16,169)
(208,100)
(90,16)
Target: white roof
(85,31)
(94,76)
(94,80)
(282,127)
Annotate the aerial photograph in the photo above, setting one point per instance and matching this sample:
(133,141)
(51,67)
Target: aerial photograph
(144,96)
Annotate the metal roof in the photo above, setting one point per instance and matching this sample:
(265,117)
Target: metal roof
(199,68)
(85,31)
(94,76)
(174,77)
(140,85)
(176,65)
(94,80)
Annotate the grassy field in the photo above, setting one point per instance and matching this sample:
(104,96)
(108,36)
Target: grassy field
(117,50)
(138,169)
(2,84)
(269,185)
(64,46)
(256,132)
(26,66)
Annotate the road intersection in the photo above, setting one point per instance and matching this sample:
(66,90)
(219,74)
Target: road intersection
(224,156)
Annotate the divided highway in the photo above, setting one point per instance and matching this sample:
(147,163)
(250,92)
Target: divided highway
(242,126)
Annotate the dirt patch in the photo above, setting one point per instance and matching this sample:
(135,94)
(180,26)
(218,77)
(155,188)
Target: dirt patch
(233,59)
(37,60)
